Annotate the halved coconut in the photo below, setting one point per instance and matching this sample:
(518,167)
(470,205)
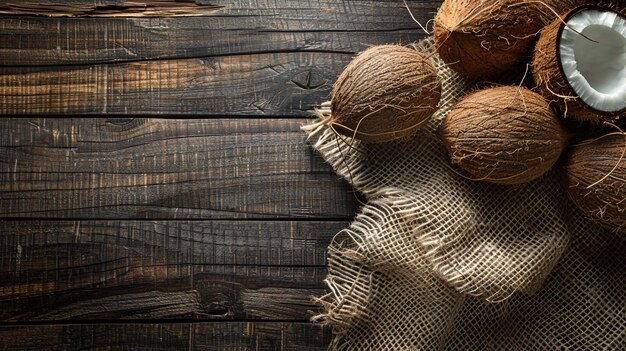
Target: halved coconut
(580,63)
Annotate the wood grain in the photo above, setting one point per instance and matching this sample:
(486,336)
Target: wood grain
(79,270)
(111,8)
(229,27)
(239,336)
(256,84)
(162,168)
(278,58)
(76,260)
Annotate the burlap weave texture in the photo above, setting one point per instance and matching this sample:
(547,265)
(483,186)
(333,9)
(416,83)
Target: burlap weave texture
(436,261)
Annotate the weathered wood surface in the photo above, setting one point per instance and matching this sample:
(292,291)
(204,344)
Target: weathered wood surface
(111,8)
(161,168)
(257,84)
(235,336)
(245,57)
(227,27)
(69,270)
(240,283)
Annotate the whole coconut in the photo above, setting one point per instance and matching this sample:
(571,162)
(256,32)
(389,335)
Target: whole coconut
(385,93)
(579,63)
(506,135)
(595,178)
(483,38)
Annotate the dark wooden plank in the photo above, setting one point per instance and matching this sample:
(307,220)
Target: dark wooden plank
(252,336)
(260,58)
(256,84)
(110,8)
(64,270)
(158,168)
(227,27)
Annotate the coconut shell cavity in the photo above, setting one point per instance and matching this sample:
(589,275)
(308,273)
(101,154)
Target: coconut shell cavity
(580,63)
(386,93)
(505,135)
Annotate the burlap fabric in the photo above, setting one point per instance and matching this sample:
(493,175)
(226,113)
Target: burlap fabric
(437,261)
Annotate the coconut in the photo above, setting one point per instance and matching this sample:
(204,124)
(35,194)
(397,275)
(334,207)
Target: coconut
(506,135)
(558,8)
(518,74)
(385,93)
(483,38)
(580,64)
(595,178)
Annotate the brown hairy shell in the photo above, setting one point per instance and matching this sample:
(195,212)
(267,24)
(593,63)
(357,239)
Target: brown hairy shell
(482,38)
(601,198)
(552,83)
(385,93)
(506,135)
(518,74)
(561,8)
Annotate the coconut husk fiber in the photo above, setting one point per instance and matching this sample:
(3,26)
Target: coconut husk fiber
(435,261)
(595,173)
(484,38)
(505,135)
(389,83)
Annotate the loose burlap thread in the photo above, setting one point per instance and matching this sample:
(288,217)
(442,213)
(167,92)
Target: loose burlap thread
(436,261)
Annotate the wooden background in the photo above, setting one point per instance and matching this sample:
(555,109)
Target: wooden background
(156,192)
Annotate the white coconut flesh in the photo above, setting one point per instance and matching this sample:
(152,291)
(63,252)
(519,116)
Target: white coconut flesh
(594,63)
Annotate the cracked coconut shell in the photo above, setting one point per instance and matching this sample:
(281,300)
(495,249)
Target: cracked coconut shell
(387,92)
(575,72)
(505,135)
(483,38)
(595,178)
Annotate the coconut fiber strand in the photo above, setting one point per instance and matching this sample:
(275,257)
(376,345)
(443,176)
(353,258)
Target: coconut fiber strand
(435,261)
